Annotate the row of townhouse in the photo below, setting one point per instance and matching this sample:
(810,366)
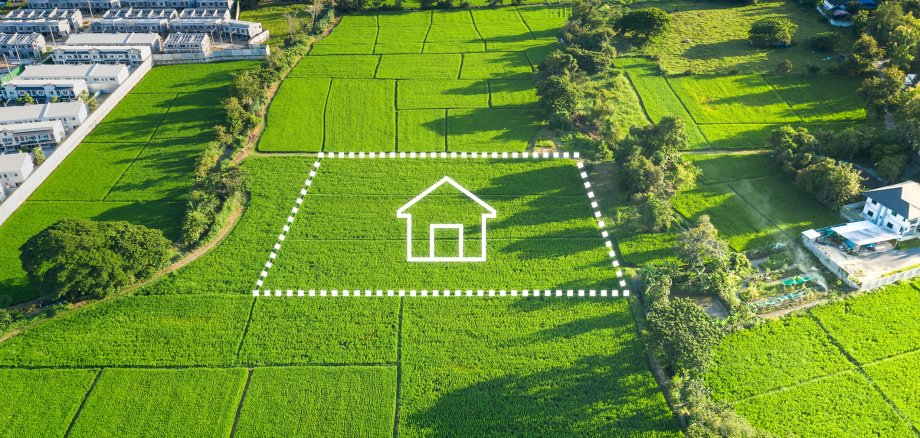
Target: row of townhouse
(46,83)
(25,136)
(103,5)
(22,45)
(199,20)
(50,22)
(73,54)
(14,169)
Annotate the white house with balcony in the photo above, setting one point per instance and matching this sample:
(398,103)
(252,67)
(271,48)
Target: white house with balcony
(14,169)
(895,207)
(43,90)
(70,114)
(18,136)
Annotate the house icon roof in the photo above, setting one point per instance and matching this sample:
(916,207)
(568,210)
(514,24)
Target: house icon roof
(403,211)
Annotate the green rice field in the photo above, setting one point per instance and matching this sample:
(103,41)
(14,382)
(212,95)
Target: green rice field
(469,70)
(845,369)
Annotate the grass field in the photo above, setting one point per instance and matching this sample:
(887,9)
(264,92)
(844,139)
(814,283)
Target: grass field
(42,402)
(799,375)
(470,70)
(711,37)
(135,166)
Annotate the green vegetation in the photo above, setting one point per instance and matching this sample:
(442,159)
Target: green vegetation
(138,402)
(382,65)
(45,401)
(898,379)
(320,401)
(140,159)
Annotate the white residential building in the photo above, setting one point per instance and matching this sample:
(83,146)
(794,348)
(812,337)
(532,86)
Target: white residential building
(73,17)
(99,77)
(895,207)
(14,169)
(195,25)
(132,55)
(43,90)
(22,45)
(223,14)
(19,136)
(241,29)
(151,40)
(199,43)
(177,4)
(126,25)
(55,28)
(70,114)
(83,5)
(215,4)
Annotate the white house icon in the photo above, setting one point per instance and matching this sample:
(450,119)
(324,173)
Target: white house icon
(403,213)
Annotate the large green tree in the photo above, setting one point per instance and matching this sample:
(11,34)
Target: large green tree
(686,334)
(644,22)
(833,183)
(772,32)
(76,257)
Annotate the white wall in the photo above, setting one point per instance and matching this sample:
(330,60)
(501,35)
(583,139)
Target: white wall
(18,197)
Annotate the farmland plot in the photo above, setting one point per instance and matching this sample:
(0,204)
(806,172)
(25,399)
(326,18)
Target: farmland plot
(732,99)
(479,68)
(41,402)
(162,402)
(544,222)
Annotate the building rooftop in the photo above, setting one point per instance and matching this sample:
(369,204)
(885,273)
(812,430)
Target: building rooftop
(20,38)
(72,70)
(902,198)
(31,126)
(42,82)
(81,39)
(48,110)
(186,38)
(11,162)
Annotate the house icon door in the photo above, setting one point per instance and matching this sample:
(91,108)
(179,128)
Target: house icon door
(455,230)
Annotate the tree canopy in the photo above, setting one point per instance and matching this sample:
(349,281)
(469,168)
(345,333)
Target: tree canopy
(772,32)
(76,257)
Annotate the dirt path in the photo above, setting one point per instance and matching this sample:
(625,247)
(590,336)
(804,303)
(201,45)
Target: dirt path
(725,151)
(784,312)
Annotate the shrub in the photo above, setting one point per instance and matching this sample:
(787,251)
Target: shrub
(824,41)
(784,67)
(557,63)
(75,257)
(592,61)
(559,96)
(892,167)
(493,3)
(645,22)
(772,32)
(446,4)
(5,318)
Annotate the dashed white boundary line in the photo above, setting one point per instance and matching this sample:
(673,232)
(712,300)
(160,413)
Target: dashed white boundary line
(445,292)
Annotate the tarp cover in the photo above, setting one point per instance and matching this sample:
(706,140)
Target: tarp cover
(864,233)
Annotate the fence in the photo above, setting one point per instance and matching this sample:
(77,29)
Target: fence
(842,273)
(255,52)
(19,196)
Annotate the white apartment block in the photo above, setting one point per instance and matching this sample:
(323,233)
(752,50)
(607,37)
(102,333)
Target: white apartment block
(223,14)
(177,4)
(199,43)
(98,77)
(73,17)
(14,169)
(150,40)
(131,55)
(43,90)
(22,45)
(123,25)
(24,136)
(195,25)
(83,5)
(55,28)
(241,29)
(215,4)
(70,114)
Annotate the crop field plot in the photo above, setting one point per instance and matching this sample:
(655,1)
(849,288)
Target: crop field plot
(544,235)
(162,402)
(89,173)
(799,375)
(41,402)
(524,367)
(340,401)
(431,60)
(191,78)
(732,99)
(134,120)
(191,115)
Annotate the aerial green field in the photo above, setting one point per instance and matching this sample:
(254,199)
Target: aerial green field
(470,70)
(135,166)
(799,375)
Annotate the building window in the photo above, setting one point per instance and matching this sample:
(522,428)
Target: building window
(889,225)
(870,213)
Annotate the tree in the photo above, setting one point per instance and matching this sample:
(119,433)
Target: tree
(832,183)
(557,63)
(5,318)
(686,334)
(656,279)
(772,32)
(910,120)
(884,20)
(863,54)
(883,91)
(645,22)
(293,21)
(55,99)
(892,167)
(655,213)
(559,96)
(315,8)
(700,245)
(38,156)
(904,47)
(25,99)
(824,41)
(75,257)
(792,147)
